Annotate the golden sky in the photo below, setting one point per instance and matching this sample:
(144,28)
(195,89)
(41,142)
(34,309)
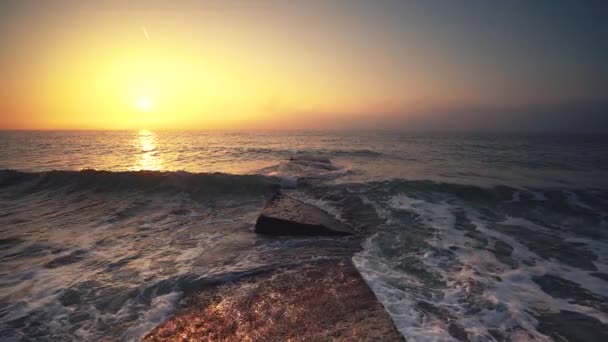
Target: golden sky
(268,64)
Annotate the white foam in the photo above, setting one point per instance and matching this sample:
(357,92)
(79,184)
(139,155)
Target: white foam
(517,287)
(575,201)
(160,308)
(320,203)
(507,304)
(437,215)
(380,211)
(400,304)
(516,197)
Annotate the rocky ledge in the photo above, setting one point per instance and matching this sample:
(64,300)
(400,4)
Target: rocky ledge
(284,215)
(322,301)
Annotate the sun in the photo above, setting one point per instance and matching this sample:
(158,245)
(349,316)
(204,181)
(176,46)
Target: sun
(144,104)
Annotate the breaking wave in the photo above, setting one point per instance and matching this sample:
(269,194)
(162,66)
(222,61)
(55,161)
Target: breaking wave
(90,254)
(214,184)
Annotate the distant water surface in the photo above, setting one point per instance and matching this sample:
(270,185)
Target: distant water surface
(465,236)
(518,159)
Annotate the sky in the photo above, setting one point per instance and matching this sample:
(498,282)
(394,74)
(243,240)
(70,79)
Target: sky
(349,64)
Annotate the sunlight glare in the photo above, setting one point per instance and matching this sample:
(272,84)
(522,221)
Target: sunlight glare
(144,104)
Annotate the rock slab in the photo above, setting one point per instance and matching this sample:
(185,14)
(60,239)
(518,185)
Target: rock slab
(284,215)
(323,301)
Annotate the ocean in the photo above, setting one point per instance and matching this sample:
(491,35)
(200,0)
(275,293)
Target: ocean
(485,237)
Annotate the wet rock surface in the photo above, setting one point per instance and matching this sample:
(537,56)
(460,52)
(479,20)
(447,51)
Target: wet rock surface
(317,300)
(284,215)
(323,301)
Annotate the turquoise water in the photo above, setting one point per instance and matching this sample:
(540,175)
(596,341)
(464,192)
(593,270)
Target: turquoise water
(492,237)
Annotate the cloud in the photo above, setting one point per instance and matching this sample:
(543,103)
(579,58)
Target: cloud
(143,29)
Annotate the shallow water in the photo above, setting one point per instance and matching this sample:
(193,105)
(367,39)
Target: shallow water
(492,237)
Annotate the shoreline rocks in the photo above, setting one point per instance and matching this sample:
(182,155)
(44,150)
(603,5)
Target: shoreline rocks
(284,215)
(321,301)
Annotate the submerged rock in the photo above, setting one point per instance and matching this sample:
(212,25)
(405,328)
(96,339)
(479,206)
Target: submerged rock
(309,158)
(285,215)
(311,162)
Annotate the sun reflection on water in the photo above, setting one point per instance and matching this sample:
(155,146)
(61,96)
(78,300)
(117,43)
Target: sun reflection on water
(149,155)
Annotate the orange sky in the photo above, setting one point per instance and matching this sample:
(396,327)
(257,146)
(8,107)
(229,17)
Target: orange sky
(107,65)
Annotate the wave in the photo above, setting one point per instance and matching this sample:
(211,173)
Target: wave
(451,261)
(446,260)
(326,153)
(152,181)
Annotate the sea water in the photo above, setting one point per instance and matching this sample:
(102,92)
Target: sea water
(465,236)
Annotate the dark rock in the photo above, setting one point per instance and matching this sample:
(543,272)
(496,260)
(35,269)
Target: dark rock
(285,215)
(299,163)
(309,158)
